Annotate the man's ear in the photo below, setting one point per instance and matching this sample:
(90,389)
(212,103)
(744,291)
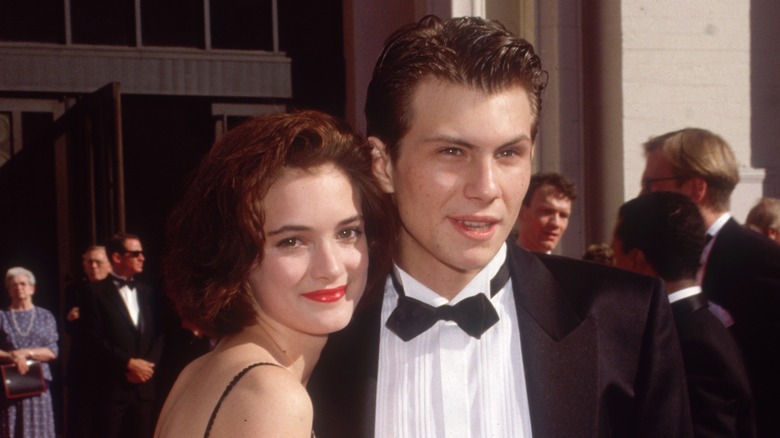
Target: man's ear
(697,189)
(382,165)
(116,258)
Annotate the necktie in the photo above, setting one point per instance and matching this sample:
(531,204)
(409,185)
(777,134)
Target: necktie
(474,315)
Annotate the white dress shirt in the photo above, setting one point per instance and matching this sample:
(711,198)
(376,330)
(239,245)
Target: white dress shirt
(684,293)
(130,298)
(445,383)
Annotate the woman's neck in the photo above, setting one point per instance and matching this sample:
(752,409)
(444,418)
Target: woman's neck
(22,305)
(293,350)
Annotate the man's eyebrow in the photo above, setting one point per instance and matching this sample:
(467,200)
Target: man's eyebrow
(522,138)
(298,228)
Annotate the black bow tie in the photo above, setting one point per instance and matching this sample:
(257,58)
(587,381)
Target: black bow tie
(121,282)
(474,315)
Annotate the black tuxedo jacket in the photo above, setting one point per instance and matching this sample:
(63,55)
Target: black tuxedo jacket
(742,274)
(718,385)
(600,351)
(114,340)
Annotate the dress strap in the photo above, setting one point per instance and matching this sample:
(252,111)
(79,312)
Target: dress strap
(230,386)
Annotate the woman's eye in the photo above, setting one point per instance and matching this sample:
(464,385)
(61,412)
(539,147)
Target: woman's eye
(290,242)
(349,233)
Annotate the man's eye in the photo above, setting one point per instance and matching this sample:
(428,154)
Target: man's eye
(451,151)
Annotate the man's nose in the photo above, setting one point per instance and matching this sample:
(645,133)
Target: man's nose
(482,181)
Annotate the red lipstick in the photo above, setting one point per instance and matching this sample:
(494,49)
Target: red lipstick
(327,295)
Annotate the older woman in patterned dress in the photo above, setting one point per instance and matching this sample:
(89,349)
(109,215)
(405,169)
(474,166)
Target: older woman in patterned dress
(27,333)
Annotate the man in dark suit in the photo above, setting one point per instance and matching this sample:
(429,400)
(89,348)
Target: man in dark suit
(741,269)
(473,336)
(80,370)
(124,339)
(662,234)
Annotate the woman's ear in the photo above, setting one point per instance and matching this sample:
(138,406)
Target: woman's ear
(382,165)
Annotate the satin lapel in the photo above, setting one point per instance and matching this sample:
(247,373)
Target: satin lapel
(559,352)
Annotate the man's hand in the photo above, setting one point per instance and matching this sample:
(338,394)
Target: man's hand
(139,370)
(73,314)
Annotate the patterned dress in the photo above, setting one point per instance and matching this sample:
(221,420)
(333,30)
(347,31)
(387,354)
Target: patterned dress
(32,416)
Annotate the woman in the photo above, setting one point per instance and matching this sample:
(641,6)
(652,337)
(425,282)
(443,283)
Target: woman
(27,333)
(268,250)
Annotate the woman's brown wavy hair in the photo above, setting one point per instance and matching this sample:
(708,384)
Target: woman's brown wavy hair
(215,233)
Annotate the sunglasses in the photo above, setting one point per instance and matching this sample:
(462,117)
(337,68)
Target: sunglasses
(134,254)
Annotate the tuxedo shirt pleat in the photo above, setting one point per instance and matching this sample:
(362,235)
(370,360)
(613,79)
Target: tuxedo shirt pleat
(447,383)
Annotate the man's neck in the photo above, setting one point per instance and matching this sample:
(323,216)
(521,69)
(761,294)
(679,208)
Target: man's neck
(710,215)
(123,276)
(674,286)
(443,279)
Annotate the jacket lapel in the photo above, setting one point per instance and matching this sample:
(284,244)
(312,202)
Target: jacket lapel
(343,384)
(559,352)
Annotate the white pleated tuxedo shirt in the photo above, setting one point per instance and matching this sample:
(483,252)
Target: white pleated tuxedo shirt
(445,383)
(130,298)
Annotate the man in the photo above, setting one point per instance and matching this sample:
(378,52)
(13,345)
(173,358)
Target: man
(741,269)
(538,347)
(125,344)
(662,234)
(764,217)
(545,212)
(96,267)
(80,371)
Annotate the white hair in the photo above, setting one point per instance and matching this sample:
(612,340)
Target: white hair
(18,271)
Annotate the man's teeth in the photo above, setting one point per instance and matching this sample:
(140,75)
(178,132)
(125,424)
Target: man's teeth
(481,225)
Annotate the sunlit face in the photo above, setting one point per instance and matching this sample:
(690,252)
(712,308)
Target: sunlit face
(131,262)
(96,264)
(20,289)
(316,256)
(659,176)
(543,223)
(461,173)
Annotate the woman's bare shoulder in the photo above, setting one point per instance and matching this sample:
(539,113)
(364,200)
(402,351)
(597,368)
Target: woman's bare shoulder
(267,401)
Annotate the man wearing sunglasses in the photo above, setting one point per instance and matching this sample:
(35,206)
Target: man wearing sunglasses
(125,341)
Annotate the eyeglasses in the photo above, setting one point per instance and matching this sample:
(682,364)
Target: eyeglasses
(134,254)
(647,183)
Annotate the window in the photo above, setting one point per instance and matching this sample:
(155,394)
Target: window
(157,18)
(242,24)
(103,22)
(41,21)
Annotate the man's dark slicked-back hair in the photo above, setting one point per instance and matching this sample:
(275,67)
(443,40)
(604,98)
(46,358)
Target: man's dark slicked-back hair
(468,51)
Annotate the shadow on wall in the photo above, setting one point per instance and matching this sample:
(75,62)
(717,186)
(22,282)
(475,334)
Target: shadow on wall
(765,91)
